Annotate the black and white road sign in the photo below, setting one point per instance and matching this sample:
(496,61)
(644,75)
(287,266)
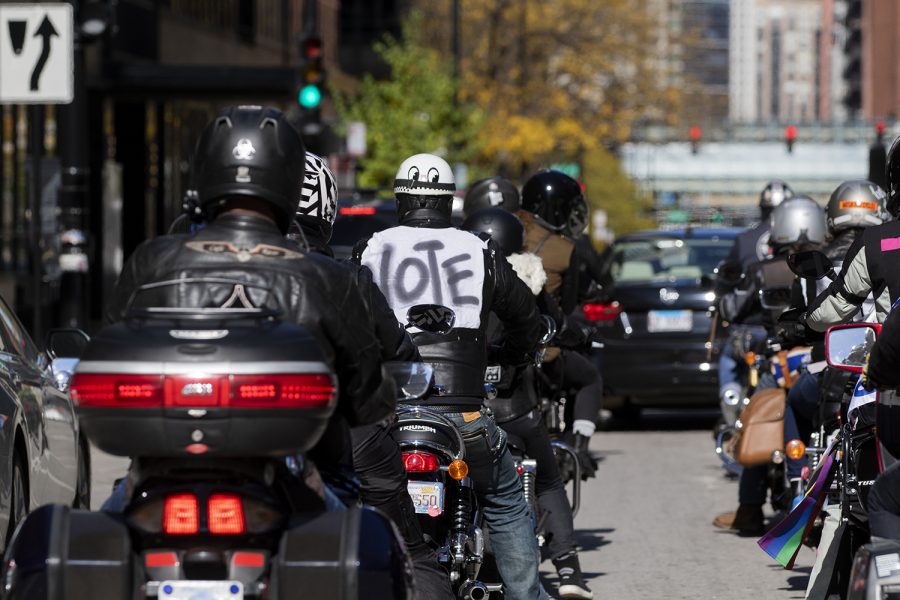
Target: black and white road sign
(36,53)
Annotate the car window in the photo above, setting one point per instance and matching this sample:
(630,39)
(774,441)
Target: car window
(16,339)
(665,259)
(350,229)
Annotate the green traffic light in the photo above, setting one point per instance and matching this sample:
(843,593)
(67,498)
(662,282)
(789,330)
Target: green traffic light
(310,96)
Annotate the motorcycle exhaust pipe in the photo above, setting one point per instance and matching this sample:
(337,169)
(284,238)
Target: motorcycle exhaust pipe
(473,590)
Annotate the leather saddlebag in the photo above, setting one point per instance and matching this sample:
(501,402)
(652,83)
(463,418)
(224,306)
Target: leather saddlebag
(762,428)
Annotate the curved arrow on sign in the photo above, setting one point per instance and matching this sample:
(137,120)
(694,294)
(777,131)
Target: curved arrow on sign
(45,31)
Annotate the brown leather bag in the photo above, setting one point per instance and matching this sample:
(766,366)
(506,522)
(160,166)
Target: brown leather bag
(762,428)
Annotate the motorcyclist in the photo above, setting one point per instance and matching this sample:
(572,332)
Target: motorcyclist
(868,267)
(552,204)
(796,224)
(376,458)
(493,191)
(425,260)
(516,408)
(248,171)
(750,247)
(853,206)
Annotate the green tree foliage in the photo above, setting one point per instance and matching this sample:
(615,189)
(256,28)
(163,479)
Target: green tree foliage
(610,189)
(412,112)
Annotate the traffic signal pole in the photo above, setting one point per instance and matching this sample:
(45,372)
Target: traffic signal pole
(73,194)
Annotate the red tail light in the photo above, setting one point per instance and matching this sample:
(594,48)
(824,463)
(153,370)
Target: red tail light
(356,210)
(181,515)
(307,390)
(225,514)
(420,462)
(602,312)
(311,390)
(137,391)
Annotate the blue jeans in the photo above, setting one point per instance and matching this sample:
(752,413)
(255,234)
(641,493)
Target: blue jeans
(799,412)
(499,491)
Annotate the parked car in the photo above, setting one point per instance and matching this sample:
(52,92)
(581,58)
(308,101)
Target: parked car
(42,457)
(656,319)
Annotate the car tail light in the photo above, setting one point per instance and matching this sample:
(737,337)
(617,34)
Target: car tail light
(248,560)
(181,515)
(136,391)
(356,210)
(225,514)
(420,462)
(601,312)
(309,390)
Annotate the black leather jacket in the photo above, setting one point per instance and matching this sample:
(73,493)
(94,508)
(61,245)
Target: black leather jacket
(314,290)
(459,358)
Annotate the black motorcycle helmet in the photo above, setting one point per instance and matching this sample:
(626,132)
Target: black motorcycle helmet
(892,178)
(504,227)
(250,152)
(551,196)
(493,191)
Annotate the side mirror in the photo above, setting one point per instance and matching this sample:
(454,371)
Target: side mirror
(811,264)
(432,318)
(729,273)
(62,370)
(847,347)
(66,343)
(413,380)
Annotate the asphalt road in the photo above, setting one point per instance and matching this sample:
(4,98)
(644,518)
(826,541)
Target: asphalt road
(645,521)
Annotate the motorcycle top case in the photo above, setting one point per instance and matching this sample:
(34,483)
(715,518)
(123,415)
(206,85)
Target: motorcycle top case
(212,385)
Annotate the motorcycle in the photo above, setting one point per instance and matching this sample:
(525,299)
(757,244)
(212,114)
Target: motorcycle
(207,403)
(434,453)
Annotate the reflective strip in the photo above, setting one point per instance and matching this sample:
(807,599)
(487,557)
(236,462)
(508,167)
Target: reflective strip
(210,368)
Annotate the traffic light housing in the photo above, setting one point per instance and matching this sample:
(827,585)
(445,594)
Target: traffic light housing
(790,136)
(312,74)
(695,134)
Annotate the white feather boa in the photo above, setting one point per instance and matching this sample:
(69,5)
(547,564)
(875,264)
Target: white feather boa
(530,269)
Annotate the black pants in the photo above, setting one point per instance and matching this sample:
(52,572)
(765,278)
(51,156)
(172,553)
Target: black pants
(884,504)
(574,371)
(379,467)
(551,492)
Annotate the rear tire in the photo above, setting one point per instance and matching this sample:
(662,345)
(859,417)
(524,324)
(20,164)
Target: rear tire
(18,504)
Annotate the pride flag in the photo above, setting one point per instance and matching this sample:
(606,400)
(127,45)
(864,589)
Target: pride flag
(783,541)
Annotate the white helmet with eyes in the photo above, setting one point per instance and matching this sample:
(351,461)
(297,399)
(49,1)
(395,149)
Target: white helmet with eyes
(424,175)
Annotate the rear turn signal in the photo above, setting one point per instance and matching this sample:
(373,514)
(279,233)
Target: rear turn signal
(458,469)
(599,313)
(420,462)
(795,449)
(181,515)
(225,514)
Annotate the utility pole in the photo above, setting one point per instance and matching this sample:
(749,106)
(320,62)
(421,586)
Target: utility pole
(35,185)
(73,193)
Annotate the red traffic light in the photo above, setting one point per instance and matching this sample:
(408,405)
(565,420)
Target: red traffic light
(880,127)
(790,133)
(695,133)
(311,48)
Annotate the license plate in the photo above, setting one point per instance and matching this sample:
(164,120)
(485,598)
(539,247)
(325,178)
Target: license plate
(669,320)
(201,590)
(427,497)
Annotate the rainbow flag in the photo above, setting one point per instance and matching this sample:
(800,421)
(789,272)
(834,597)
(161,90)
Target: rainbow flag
(783,541)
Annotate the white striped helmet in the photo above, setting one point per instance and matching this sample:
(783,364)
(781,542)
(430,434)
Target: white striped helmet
(319,196)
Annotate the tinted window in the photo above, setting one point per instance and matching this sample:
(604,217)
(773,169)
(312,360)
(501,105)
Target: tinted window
(349,230)
(665,259)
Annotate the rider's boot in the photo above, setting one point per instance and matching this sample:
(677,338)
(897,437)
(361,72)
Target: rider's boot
(588,462)
(571,582)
